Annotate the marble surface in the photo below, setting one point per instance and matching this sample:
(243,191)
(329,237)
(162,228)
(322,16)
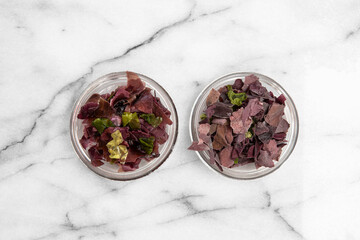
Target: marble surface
(51,50)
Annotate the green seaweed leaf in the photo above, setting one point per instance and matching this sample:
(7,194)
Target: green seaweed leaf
(102,123)
(130,119)
(235,98)
(151,119)
(147,144)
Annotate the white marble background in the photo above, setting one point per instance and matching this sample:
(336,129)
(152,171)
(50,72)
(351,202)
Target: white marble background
(50,51)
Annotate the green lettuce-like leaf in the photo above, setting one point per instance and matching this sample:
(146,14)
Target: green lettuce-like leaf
(151,119)
(147,144)
(236,161)
(203,116)
(248,134)
(102,123)
(235,98)
(130,119)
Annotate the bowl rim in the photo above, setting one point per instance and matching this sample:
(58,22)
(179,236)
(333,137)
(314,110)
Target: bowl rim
(235,74)
(97,170)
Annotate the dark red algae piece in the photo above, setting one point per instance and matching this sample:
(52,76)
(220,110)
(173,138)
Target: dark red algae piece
(225,157)
(198,146)
(252,108)
(249,80)
(87,142)
(281,99)
(275,114)
(88,110)
(272,149)
(239,123)
(104,109)
(238,84)
(220,121)
(134,84)
(95,157)
(261,128)
(213,97)
(160,134)
(128,167)
(158,110)
(145,102)
(282,127)
(264,159)
(222,110)
(120,94)
(223,137)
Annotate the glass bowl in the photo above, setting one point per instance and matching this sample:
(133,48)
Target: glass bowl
(106,84)
(247,171)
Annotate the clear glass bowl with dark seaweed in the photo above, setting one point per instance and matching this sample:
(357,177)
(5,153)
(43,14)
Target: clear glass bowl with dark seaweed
(248,170)
(105,85)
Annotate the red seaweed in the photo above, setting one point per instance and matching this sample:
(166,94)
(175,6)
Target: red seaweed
(250,131)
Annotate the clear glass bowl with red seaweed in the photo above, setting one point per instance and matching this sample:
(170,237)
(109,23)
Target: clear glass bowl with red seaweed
(124,126)
(244,125)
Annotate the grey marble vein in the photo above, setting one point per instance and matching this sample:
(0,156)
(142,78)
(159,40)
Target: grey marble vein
(352,33)
(153,37)
(277,213)
(268,199)
(188,18)
(198,212)
(183,198)
(21,170)
(69,226)
(47,236)
(211,13)
(192,210)
(197,83)
(289,226)
(72,227)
